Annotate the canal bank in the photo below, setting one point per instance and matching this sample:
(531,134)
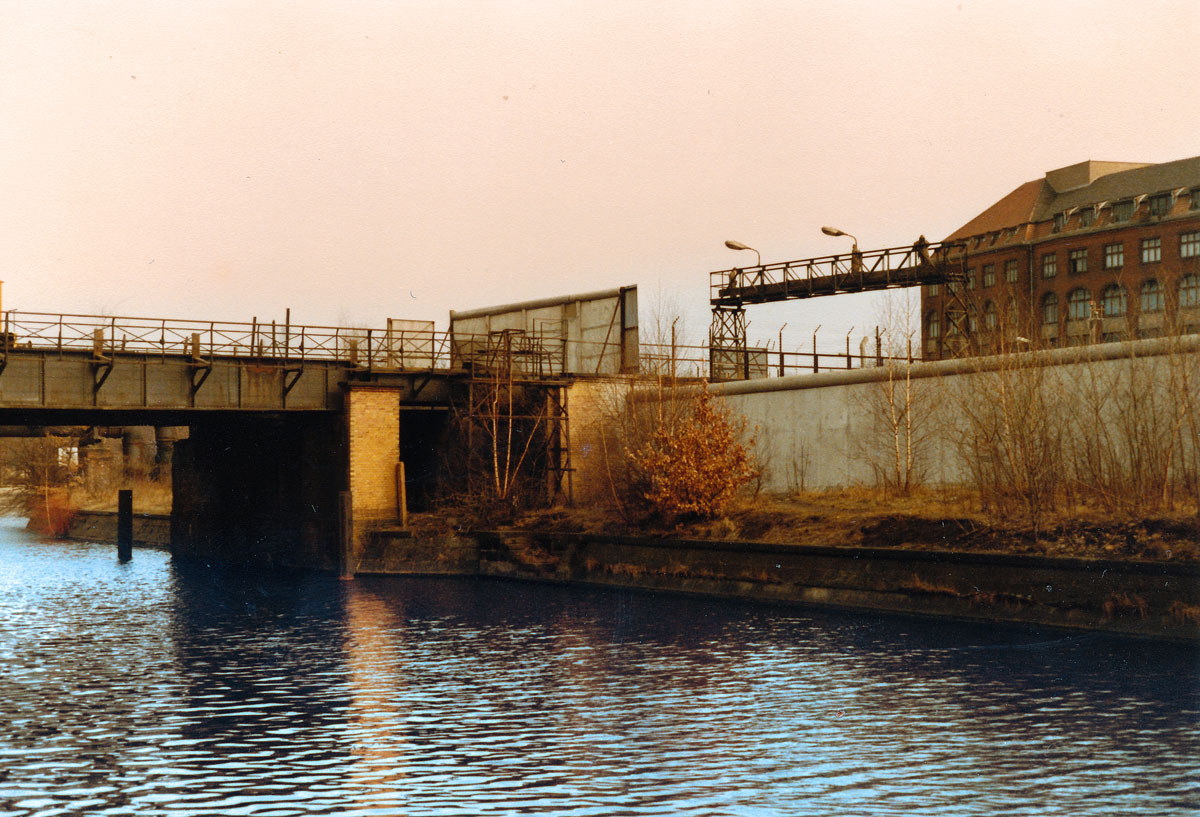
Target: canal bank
(101,526)
(1140,598)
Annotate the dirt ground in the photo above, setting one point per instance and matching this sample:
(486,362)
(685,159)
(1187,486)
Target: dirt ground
(930,519)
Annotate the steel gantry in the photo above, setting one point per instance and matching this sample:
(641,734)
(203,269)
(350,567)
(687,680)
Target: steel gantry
(922,263)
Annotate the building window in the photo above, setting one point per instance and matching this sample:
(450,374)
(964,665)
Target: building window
(1114,256)
(1122,210)
(1151,250)
(1189,291)
(1189,245)
(1079,305)
(1060,221)
(951,326)
(1152,296)
(989,316)
(972,320)
(1113,301)
(989,274)
(1050,309)
(1087,216)
(933,289)
(1160,204)
(970,277)
(934,324)
(1012,310)
(1196,198)
(1010,271)
(1049,265)
(1077,261)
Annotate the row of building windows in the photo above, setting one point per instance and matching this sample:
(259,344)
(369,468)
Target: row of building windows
(1157,206)
(1113,300)
(1113,304)
(1114,255)
(1077,261)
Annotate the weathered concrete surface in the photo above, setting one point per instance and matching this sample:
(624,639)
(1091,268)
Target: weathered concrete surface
(392,551)
(101,526)
(48,387)
(1146,599)
(827,430)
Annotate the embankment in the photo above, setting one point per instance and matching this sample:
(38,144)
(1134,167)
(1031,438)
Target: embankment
(1141,598)
(101,526)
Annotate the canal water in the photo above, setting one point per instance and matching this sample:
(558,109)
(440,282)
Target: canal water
(158,688)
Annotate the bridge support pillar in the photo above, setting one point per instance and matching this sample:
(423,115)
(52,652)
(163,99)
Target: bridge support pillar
(259,489)
(373,447)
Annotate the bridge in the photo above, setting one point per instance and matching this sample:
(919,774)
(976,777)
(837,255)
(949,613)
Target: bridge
(296,431)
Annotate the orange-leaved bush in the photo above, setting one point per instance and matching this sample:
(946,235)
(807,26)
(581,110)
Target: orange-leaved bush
(694,467)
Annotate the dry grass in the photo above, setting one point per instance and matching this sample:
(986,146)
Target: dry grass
(926,519)
(149,496)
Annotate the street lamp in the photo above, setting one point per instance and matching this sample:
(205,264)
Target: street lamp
(737,245)
(855,255)
(835,232)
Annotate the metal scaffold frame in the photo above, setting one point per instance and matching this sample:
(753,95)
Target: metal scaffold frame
(516,399)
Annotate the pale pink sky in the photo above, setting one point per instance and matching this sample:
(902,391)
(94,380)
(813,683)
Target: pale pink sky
(360,160)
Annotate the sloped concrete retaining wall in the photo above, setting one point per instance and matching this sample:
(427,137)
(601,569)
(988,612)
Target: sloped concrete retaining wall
(101,526)
(1149,599)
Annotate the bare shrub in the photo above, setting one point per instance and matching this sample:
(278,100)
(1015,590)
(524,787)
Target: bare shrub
(1010,437)
(38,472)
(693,468)
(1132,431)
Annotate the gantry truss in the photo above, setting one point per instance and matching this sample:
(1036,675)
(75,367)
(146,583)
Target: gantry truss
(730,291)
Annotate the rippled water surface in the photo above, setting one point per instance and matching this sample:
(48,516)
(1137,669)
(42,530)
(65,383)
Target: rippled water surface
(156,688)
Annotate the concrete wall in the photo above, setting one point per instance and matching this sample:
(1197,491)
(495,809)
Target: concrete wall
(590,407)
(1155,600)
(828,430)
(101,526)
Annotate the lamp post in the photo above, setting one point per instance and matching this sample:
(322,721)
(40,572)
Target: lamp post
(835,232)
(855,256)
(737,245)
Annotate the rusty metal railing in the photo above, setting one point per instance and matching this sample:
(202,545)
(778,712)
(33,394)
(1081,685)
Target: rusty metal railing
(535,354)
(361,346)
(921,263)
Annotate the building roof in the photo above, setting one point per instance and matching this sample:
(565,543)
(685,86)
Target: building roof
(1018,207)
(1084,183)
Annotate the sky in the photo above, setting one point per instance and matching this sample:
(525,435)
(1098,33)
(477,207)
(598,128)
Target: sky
(355,161)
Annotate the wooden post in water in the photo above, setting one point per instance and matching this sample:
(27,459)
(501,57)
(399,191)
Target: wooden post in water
(401,495)
(124,525)
(345,537)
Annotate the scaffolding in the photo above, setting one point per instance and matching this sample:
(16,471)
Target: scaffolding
(516,414)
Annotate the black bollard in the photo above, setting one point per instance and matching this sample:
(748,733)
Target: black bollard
(124,525)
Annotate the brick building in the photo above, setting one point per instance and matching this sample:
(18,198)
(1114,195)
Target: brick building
(1091,253)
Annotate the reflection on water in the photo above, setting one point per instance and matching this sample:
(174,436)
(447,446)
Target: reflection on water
(154,688)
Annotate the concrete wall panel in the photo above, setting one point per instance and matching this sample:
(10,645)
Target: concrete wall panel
(21,381)
(167,385)
(68,382)
(123,386)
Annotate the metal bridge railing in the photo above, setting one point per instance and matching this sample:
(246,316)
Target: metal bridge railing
(533,354)
(372,348)
(845,272)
